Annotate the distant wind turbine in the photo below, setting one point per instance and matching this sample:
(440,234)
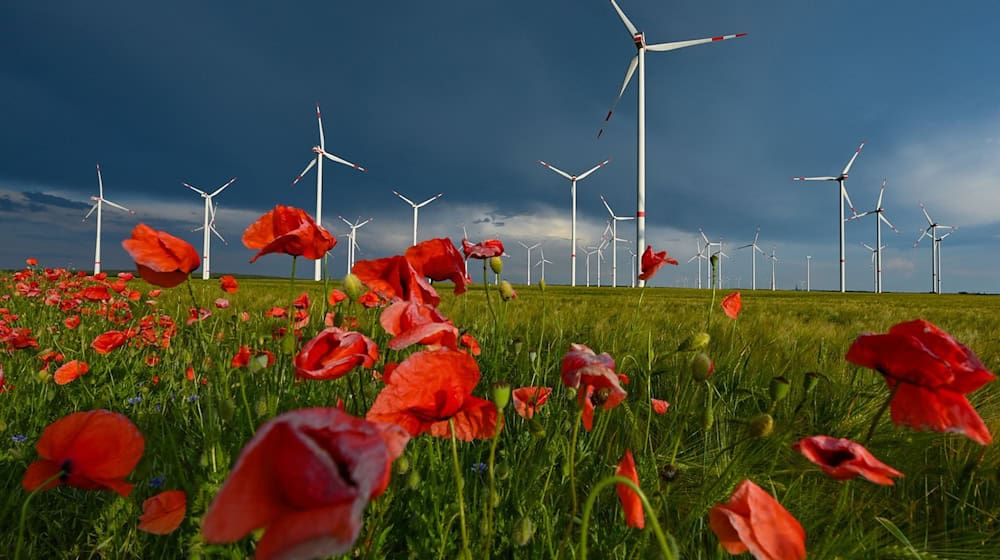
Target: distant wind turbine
(931,231)
(589,251)
(841,197)
(614,241)
(529,248)
(353,239)
(99,200)
(753,257)
(699,256)
(639,61)
(416,209)
(541,262)
(774,260)
(879,213)
(209,215)
(875,271)
(321,153)
(573,180)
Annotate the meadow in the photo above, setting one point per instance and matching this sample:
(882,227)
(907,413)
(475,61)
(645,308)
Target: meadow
(541,487)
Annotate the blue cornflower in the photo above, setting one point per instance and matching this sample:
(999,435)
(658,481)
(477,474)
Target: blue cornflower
(192,398)
(157,481)
(479,468)
(19,438)
(135,400)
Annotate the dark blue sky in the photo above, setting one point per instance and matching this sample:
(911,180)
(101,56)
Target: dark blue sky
(465,97)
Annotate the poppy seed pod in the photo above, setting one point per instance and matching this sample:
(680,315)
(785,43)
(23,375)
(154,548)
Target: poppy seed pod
(501,394)
(701,366)
(761,425)
(778,388)
(496,265)
(353,287)
(506,290)
(812,379)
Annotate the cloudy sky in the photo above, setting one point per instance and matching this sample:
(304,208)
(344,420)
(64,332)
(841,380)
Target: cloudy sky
(464,97)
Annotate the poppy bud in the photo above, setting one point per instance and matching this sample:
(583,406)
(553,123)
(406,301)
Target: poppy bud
(778,388)
(353,287)
(812,379)
(261,408)
(524,529)
(402,465)
(696,341)
(502,471)
(44,376)
(501,394)
(413,481)
(506,290)
(496,265)
(761,425)
(532,355)
(541,284)
(701,366)
(571,393)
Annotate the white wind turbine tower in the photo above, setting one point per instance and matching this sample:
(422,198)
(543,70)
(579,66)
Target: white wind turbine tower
(99,200)
(639,61)
(699,256)
(353,239)
(840,205)
(708,248)
(529,248)
(879,218)
(321,153)
(753,257)
(541,262)
(614,241)
(633,255)
(589,251)
(416,209)
(808,272)
(211,225)
(931,231)
(574,179)
(774,259)
(209,216)
(875,269)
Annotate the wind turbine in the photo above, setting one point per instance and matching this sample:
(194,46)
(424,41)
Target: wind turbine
(753,257)
(840,205)
(808,271)
(632,253)
(931,231)
(353,239)
(589,251)
(639,61)
(529,248)
(542,262)
(209,215)
(699,256)
(99,200)
(614,241)
(574,179)
(708,247)
(875,254)
(321,153)
(774,259)
(211,225)
(416,209)
(879,218)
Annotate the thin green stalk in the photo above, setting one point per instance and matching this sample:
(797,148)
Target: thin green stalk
(492,472)
(489,302)
(24,513)
(589,506)
(881,411)
(459,485)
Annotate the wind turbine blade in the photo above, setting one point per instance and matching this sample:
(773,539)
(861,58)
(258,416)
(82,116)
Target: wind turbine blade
(312,162)
(861,215)
(363,223)
(703,236)
(814,178)
(881,192)
(332,157)
(882,217)
(118,206)
(592,169)
(343,219)
(923,234)
(319,120)
(556,169)
(926,215)
(628,76)
(628,24)
(850,163)
(759,250)
(223,187)
(217,234)
(756,236)
(606,206)
(522,244)
(869,247)
(661,47)
(430,200)
(100,182)
(408,201)
(92,208)
(195,189)
(843,191)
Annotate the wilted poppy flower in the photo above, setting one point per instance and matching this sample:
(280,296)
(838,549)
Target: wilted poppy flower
(92,450)
(394,278)
(195,315)
(659,406)
(221,303)
(108,341)
(290,231)
(753,521)
(163,513)
(930,373)
(483,250)
(70,371)
(438,259)
(333,353)
(651,262)
(732,304)
(306,477)
(429,388)
(843,459)
(162,259)
(228,284)
(631,504)
(527,400)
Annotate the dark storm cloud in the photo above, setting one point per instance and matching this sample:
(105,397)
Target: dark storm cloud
(53,200)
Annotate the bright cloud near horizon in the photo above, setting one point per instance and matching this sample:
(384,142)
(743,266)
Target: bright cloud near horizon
(465,98)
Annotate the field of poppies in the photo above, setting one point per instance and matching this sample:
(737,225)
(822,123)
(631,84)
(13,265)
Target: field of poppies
(403,412)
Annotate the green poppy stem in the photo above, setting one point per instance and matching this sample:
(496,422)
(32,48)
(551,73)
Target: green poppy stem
(668,553)
(459,486)
(486,290)
(881,411)
(24,513)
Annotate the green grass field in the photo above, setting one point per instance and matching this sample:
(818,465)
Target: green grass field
(947,505)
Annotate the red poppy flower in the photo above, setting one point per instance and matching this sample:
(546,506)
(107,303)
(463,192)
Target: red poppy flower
(221,303)
(732,304)
(752,521)
(96,293)
(229,284)
(162,259)
(93,450)
(4,387)
(843,459)
(31,261)
(431,387)
(438,259)
(634,514)
(277,312)
(659,406)
(527,400)
(413,323)
(930,373)
(301,302)
(483,250)
(594,376)
(651,262)
(290,231)
(163,513)
(336,296)
(189,373)
(306,477)
(70,371)
(108,341)
(470,342)
(72,322)
(244,355)
(369,300)
(394,278)
(333,353)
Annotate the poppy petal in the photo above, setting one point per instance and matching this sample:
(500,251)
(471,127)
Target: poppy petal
(163,513)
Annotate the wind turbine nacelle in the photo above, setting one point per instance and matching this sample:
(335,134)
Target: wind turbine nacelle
(317,150)
(640,40)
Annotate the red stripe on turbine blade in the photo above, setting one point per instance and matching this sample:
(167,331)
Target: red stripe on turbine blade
(640,214)
(573,255)
(608,118)
(740,35)
(600,132)
(719,38)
